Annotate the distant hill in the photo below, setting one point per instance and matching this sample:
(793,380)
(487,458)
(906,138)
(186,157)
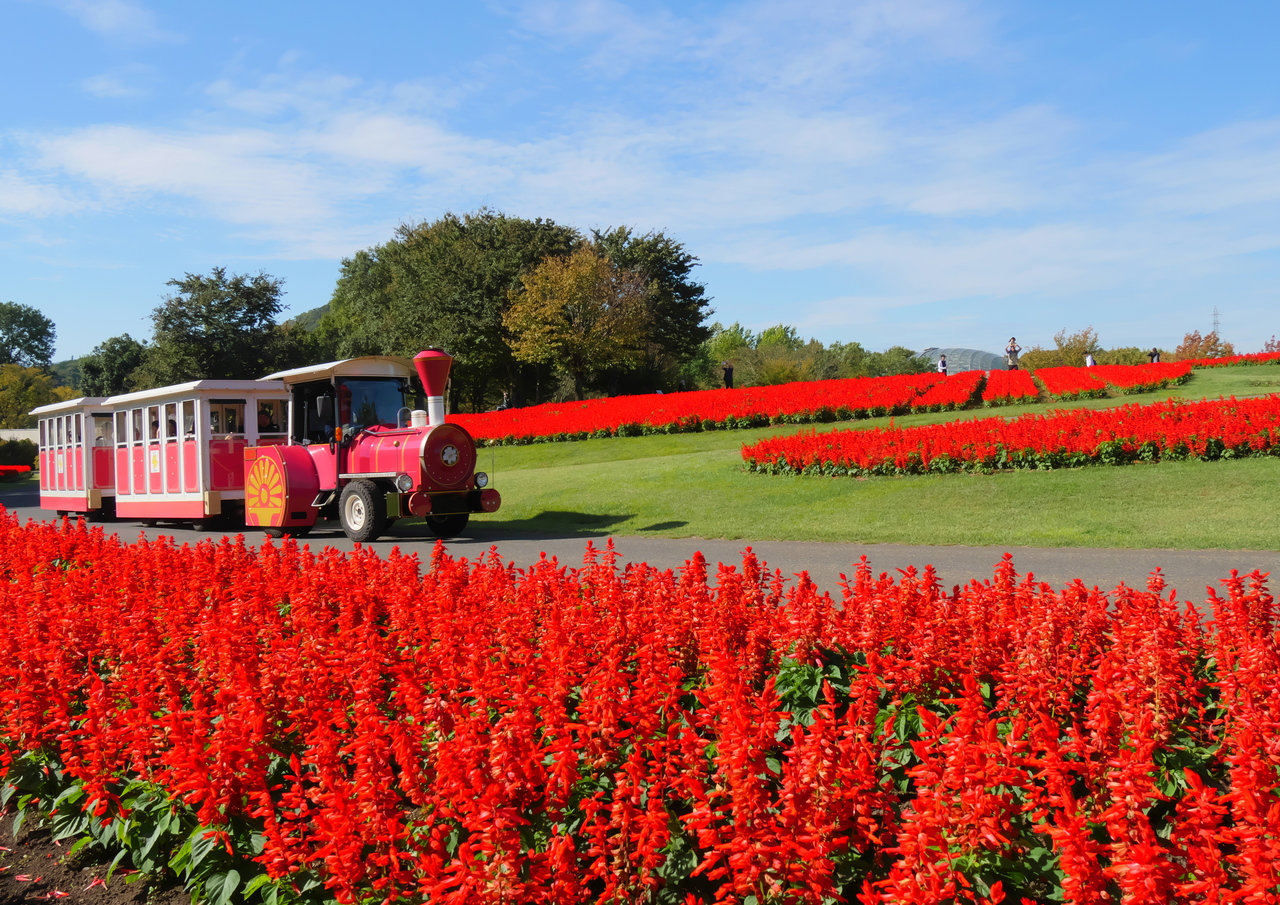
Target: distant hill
(310,319)
(66,373)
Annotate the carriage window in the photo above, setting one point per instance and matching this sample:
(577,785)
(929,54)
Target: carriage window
(226,416)
(189,419)
(153,422)
(43,426)
(270,416)
(79,430)
(122,428)
(103,435)
(170,422)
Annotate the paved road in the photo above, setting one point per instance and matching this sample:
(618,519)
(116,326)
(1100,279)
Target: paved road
(1189,571)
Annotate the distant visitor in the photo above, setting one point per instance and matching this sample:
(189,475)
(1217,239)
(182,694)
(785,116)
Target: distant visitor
(1011,354)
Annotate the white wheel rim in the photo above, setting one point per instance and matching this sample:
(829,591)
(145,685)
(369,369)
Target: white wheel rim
(355,512)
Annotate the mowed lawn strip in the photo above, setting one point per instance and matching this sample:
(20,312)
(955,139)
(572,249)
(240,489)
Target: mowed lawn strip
(693,485)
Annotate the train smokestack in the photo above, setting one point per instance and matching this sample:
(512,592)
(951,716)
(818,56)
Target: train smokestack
(433,369)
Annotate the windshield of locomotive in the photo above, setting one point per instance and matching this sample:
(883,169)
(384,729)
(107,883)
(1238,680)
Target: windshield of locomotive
(366,401)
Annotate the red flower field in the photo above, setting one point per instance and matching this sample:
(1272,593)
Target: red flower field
(1072,383)
(1144,378)
(271,720)
(818,400)
(801,403)
(1211,429)
(1009,388)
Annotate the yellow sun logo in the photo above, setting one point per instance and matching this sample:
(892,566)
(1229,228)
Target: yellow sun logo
(264,495)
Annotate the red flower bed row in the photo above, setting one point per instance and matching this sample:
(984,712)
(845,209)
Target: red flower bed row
(480,734)
(1010,388)
(1256,358)
(1144,378)
(1072,383)
(802,402)
(1211,429)
(955,392)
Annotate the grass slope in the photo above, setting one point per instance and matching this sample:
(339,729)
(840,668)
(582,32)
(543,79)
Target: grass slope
(693,485)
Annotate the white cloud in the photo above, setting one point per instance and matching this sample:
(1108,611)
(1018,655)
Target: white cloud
(1234,166)
(244,176)
(25,196)
(119,19)
(124,81)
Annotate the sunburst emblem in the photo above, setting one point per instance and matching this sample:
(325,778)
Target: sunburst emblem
(449,455)
(264,492)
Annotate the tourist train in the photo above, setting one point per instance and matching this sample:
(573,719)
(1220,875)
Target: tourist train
(345,439)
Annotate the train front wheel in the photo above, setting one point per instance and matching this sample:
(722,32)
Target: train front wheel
(362,511)
(447,526)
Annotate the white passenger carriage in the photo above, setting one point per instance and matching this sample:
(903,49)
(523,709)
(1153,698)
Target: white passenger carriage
(76,466)
(179,450)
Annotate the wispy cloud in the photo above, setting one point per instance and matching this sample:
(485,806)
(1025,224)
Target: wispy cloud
(131,81)
(26,196)
(118,19)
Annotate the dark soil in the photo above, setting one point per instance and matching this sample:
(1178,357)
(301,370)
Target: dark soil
(34,868)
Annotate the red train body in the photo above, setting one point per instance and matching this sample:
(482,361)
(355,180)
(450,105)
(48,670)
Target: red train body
(336,440)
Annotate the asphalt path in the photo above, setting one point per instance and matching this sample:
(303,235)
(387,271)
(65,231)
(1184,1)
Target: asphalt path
(1187,571)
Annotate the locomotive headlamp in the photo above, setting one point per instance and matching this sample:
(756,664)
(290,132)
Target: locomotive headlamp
(404,483)
(482,480)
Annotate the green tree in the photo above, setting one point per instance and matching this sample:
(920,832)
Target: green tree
(895,360)
(580,314)
(781,335)
(21,390)
(26,336)
(109,368)
(1210,345)
(848,359)
(447,283)
(219,326)
(1069,351)
(678,305)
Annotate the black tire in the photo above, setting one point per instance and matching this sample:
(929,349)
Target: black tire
(106,514)
(447,526)
(362,511)
(291,531)
(150,522)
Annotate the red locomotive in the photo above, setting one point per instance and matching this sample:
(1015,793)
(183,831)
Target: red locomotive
(341,439)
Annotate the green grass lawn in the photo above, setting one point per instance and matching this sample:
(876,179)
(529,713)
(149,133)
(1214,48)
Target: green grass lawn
(693,485)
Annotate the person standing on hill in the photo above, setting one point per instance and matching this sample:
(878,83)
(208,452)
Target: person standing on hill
(1154,355)
(1011,354)
(942,366)
(1088,360)
(728,375)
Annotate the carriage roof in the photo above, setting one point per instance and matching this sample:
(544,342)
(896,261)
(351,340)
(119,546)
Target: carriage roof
(196,388)
(68,405)
(366,366)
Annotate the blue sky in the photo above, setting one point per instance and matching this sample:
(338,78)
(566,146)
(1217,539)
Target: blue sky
(930,173)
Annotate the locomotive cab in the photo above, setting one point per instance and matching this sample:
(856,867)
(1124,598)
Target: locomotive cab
(363,448)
